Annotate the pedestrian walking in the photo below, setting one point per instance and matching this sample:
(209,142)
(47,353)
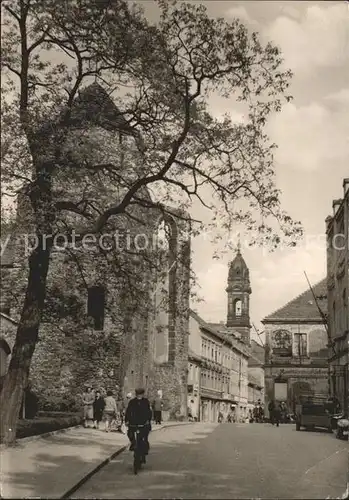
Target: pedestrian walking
(260,413)
(98,408)
(157,409)
(283,412)
(125,403)
(110,411)
(128,398)
(277,415)
(88,398)
(119,421)
(274,413)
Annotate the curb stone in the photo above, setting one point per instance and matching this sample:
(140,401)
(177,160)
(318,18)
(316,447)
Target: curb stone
(106,461)
(28,439)
(94,471)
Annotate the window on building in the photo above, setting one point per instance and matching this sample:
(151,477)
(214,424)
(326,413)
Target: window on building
(190,374)
(96,306)
(163,236)
(166,237)
(238,307)
(301,344)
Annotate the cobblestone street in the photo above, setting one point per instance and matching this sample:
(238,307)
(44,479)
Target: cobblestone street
(229,461)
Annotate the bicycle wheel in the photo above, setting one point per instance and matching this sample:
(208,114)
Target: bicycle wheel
(137,462)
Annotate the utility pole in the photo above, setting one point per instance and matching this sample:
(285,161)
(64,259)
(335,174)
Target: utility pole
(329,339)
(259,334)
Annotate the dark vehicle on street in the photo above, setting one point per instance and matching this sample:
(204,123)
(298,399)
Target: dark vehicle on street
(316,414)
(342,428)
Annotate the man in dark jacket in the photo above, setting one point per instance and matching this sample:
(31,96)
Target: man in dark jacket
(138,412)
(274,413)
(271,409)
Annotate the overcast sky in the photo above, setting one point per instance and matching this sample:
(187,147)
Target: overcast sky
(313,156)
(312,133)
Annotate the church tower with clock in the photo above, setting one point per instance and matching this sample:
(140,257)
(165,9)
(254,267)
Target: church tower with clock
(239,290)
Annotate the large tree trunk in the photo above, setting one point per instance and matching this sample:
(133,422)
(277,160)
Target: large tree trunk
(16,380)
(17,377)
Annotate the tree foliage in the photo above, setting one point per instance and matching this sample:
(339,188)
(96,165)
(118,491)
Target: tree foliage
(81,74)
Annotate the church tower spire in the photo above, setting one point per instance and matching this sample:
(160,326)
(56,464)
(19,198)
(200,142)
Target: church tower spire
(238,291)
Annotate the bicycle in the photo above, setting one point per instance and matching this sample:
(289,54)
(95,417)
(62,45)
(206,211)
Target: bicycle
(138,450)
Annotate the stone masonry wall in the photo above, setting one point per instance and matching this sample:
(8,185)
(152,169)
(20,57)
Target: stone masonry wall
(70,353)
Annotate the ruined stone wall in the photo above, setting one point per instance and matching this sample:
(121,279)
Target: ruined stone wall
(70,353)
(146,368)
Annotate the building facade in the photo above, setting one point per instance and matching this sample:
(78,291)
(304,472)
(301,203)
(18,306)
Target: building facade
(296,355)
(256,374)
(337,232)
(221,361)
(255,391)
(194,366)
(111,319)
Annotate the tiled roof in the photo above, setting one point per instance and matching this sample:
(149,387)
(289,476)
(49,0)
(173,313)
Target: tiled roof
(303,307)
(223,327)
(253,381)
(223,333)
(193,355)
(203,324)
(257,353)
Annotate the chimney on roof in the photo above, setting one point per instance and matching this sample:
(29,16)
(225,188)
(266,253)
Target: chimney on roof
(328,222)
(346,185)
(335,205)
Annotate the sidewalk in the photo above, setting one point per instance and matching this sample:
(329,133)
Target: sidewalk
(51,467)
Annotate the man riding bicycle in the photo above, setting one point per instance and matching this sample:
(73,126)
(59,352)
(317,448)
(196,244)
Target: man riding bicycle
(138,413)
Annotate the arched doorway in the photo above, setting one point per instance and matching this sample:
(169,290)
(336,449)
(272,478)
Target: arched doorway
(300,391)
